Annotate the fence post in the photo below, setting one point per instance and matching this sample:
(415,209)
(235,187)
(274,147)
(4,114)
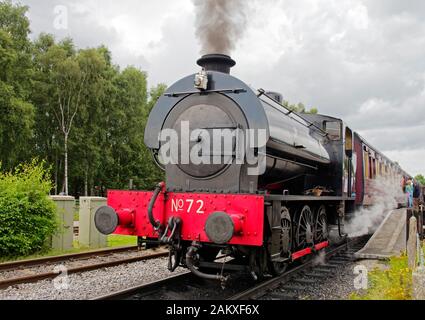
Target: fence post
(418,277)
(411,243)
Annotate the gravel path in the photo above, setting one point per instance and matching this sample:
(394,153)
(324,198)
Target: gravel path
(91,284)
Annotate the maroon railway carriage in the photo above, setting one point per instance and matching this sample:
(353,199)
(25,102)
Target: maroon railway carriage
(308,175)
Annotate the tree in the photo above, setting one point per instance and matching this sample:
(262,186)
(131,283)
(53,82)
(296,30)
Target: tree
(156,175)
(421,179)
(314,111)
(154,95)
(74,109)
(85,144)
(299,108)
(47,140)
(125,121)
(17,114)
(69,81)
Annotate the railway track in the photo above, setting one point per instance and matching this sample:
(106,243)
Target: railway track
(28,271)
(186,286)
(289,285)
(183,286)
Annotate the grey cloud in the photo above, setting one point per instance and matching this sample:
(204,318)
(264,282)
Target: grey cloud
(396,138)
(362,61)
(385,8)
(82,28)
(177,58)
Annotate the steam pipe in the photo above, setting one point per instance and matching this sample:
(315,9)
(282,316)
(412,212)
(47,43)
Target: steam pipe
(190,258)
(341,235)
(156,224)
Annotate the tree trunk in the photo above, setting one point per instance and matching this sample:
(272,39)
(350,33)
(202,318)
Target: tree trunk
(86,182)
(66,165)
(56,173)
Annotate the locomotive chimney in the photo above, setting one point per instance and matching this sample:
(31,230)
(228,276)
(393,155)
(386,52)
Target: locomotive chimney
(217,62)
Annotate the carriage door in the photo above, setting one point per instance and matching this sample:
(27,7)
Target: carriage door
(350,164)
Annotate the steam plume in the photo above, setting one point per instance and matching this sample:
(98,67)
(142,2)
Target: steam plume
(219,24)
(367,220)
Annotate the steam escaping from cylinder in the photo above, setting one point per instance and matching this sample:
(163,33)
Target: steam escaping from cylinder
(219,24)
(386,194)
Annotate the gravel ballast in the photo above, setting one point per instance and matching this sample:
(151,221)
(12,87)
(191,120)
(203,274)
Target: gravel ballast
(73,263)
(339,284)
(92,284)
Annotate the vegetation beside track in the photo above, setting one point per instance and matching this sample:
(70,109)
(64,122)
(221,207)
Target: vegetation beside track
(27,215)
(391,283)
(121,241)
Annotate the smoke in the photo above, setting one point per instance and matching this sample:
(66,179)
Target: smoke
(220,24)
(386,195)
(320,259)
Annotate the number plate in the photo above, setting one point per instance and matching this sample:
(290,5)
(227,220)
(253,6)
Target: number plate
(187,206)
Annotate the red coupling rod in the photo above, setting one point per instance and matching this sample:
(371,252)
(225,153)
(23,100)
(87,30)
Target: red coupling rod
(302,253)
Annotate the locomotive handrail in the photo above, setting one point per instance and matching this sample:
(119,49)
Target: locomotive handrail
(178,94)
(262,92)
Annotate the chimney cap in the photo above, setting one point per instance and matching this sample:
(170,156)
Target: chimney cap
(217,62)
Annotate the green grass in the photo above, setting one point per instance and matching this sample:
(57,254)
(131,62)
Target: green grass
(121,241)
(394,283)
(113,241)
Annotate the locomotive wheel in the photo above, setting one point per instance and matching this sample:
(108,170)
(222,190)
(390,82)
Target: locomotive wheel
(278,268)
(304,234)
(321,225)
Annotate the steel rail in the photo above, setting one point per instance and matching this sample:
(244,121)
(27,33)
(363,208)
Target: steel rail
(89,267)
(249,293)
(10,266)
(271,284)
(150,286)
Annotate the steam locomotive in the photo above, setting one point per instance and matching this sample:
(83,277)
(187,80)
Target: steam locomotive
(278,190)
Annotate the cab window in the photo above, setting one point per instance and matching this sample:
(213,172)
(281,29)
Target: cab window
(333,129)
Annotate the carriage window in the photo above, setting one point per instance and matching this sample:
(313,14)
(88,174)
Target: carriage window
(366,164)
(333,129)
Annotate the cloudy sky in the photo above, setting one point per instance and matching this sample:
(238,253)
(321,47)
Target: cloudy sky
(363,61)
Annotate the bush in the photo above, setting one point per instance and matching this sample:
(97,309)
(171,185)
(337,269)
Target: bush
(27,215)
